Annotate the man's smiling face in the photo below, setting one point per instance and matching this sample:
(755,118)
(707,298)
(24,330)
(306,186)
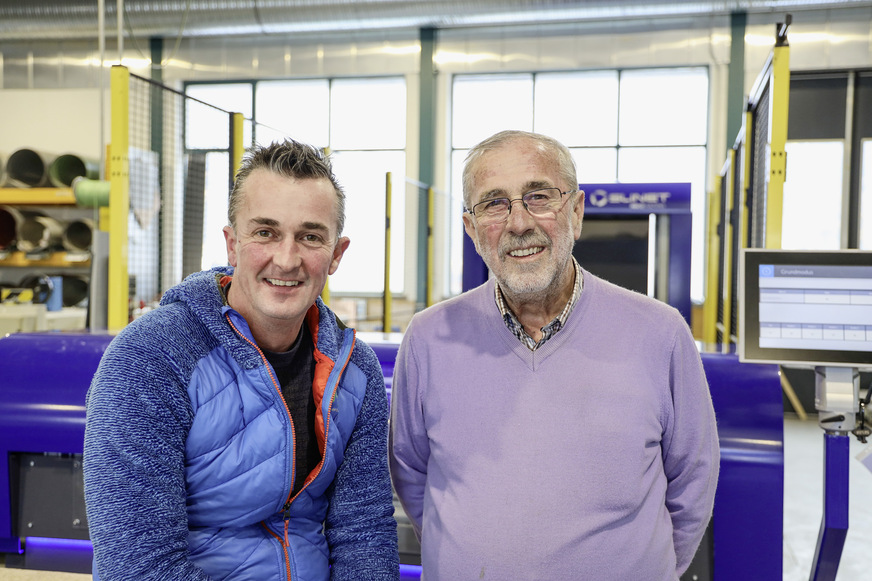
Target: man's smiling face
(527,254)
(283,248)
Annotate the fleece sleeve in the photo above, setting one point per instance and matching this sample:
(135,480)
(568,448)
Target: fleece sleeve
(138,416)
(360,527)
(409,446)
(691,456)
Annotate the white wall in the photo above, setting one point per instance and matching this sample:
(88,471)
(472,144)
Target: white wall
(53,121)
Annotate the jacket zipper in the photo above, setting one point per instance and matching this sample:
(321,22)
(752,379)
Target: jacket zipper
(286,509)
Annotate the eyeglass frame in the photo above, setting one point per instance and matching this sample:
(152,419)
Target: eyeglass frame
(512,201)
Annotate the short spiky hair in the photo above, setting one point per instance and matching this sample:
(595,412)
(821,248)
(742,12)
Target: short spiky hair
(291,159)
(548,145)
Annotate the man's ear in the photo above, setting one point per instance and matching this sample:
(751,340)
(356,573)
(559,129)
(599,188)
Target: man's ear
(338,251)
(230,241)
(469,227)
(578,215)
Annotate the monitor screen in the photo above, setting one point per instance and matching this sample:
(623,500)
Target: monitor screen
(805,308)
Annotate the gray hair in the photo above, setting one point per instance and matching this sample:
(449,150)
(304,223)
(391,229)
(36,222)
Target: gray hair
(547,145)
(291,159)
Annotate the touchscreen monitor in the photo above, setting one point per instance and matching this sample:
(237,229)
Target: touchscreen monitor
(805,308)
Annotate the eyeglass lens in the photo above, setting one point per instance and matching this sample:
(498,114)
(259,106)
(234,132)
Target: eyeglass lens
(537,202)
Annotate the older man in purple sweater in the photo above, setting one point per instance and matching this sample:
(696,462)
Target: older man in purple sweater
(548,424)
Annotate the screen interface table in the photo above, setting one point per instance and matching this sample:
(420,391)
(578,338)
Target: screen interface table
(815,307)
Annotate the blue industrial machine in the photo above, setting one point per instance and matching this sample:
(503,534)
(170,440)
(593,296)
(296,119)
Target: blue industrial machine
(748,519)
(43,383)
(42,420)
(45,377)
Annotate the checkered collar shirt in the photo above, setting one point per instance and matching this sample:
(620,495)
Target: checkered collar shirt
(548,330)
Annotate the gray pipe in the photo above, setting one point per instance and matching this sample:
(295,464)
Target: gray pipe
(75,290)
(66,168)
(28,168)
(78,235)
(38,232)
(10,218)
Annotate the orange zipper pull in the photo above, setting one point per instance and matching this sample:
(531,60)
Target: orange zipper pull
(287,521)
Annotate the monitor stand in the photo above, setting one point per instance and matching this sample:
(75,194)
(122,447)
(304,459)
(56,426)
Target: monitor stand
(837,397)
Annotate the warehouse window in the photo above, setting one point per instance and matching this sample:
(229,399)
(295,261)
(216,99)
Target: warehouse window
(361,121)
(485,104)
(813,195)
(626,126)
(866,195)
(301,105)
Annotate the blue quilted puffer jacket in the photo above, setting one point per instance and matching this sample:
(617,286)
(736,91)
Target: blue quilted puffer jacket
(189,452)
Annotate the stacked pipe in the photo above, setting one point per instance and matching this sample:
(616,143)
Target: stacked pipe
(32,231)
(31,168)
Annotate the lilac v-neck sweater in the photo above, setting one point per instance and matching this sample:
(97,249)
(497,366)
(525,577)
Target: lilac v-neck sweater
(593,457)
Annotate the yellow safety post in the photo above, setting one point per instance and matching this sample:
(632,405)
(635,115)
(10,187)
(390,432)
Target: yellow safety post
(237,145)
(431,211)
(725,325)
(386,298)
(710,306)
(778,107)
(119,200)
(325,292)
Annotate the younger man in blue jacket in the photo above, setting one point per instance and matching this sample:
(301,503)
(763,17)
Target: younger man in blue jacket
(239,431)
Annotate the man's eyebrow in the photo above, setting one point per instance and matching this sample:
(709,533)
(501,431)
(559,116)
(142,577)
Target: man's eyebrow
(316,226)
(537,185)
(497,193)
(528,187)
(264,221)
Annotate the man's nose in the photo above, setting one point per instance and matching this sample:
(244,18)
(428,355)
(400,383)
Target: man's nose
(287,255)
(519,218)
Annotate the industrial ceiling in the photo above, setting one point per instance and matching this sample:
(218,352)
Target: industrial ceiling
(78,19)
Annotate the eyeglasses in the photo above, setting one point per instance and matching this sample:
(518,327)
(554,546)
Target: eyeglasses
(537,202)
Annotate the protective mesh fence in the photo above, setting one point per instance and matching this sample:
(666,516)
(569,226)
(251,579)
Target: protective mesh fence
(167,188)
(759,167)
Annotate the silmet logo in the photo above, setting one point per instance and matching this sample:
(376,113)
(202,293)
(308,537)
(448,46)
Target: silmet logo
(599,198)
(602,198)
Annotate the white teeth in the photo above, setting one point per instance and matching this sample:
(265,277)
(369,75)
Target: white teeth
(278,282)
(526,251)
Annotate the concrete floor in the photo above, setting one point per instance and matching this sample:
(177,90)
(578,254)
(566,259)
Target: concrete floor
(28,575)
(803,501)
(803,504)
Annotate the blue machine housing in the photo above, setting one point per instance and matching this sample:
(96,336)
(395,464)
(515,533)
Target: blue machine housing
(43,381)
(45,377)
(748,519)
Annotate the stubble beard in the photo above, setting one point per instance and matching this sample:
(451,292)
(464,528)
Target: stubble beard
(542,278)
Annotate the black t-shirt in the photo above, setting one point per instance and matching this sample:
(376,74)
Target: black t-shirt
(295,371)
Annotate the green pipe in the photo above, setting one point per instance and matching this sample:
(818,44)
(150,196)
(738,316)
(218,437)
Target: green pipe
(65,168)
(90,192)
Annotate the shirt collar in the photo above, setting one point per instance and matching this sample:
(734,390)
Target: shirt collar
(551,328)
